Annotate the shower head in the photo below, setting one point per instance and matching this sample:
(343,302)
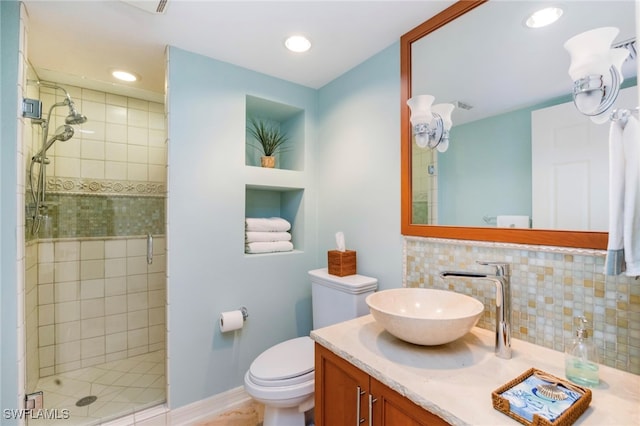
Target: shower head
(74,116)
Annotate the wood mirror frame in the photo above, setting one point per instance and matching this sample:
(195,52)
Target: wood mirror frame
(561,238)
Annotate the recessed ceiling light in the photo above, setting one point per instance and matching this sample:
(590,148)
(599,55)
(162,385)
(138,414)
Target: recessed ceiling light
(544,17)
(124,75)
(297,43)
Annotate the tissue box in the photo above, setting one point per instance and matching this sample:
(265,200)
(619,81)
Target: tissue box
(341,263)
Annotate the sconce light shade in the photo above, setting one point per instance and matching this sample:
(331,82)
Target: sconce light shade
(589,50)
(430,125)
(420,117)
(596,71)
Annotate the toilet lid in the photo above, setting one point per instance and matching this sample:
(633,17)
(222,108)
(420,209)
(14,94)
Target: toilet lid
(287,360)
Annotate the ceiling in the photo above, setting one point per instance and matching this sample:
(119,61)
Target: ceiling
(513,66)
(79,42)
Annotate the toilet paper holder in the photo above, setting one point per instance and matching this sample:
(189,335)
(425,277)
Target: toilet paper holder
(245,313)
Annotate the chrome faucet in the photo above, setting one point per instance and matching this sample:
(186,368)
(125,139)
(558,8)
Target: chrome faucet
(503,302)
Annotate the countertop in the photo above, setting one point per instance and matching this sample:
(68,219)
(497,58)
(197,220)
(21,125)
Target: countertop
(455,380)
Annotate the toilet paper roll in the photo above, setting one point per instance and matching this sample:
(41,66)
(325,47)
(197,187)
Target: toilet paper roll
(232,320)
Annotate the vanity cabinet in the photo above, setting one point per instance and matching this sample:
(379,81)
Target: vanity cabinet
(347,396)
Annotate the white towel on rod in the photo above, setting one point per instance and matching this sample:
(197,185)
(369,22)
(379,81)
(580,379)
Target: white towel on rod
(267,224)
(262,236)
(623,247)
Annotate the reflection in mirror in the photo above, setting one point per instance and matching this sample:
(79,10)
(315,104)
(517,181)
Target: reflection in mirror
(512,92)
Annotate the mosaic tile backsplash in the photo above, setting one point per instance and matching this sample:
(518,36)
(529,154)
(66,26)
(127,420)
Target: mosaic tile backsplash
(99,216)
(549,288)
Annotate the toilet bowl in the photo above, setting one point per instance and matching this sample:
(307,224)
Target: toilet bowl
(282,378)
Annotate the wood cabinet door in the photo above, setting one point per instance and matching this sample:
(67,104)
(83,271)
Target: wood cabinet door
(340,388)
(392,409)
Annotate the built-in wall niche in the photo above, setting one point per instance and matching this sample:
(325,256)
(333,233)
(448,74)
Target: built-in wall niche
(289,119)
(287,203)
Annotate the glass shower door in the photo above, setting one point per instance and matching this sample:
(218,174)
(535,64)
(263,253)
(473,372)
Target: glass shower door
(95,279)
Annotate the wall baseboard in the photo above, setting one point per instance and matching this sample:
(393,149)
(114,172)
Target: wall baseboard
(209,407)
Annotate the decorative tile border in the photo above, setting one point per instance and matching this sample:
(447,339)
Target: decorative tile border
(69,185)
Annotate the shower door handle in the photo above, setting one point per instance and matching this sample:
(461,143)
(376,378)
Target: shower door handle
(149,249)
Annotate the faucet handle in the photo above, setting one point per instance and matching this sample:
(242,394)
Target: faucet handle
(502,268)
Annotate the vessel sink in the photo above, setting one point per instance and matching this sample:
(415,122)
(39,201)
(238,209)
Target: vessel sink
(425,316)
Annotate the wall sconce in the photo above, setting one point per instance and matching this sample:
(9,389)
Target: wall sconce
(596,71)
(430,124)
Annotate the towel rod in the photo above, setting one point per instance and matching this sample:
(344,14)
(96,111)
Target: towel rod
(490,220)
(623,115)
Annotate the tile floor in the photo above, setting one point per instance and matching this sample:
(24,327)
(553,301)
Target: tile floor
(122,387)
(249,414)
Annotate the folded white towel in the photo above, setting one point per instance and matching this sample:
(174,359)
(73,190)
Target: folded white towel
(257,236)
(268,247)
(623,247)
(267,224)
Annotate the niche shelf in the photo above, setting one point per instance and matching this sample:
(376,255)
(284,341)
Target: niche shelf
(289,119)
(275,201)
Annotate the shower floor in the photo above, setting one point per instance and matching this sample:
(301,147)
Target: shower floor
(121,387)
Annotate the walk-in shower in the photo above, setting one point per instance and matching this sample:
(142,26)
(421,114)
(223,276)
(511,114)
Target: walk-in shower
(63,133)
(94,297)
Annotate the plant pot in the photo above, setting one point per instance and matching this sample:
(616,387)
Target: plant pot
(268,161)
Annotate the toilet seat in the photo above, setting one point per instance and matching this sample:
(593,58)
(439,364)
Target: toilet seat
(285,364)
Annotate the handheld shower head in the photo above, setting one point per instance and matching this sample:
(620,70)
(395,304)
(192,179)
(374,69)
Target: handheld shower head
(63,133)
(74,116)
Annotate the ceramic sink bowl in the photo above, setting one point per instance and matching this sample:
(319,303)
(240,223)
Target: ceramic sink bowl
(425,316)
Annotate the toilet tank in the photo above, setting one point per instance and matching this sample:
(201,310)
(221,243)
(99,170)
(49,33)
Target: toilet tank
(336,299)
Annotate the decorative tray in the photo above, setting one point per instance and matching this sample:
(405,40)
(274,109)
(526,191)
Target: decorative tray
(532,399)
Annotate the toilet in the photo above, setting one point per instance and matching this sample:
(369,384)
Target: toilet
(282,377)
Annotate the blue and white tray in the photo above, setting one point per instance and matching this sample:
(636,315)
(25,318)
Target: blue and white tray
(523,400)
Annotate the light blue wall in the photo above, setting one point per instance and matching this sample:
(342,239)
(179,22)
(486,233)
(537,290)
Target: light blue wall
(496,149)
(346,189)
(358,159)
(208,270)
(9,59)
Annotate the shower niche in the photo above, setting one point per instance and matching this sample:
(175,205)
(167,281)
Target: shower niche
(286,118)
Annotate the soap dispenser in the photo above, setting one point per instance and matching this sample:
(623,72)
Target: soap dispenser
(581,356)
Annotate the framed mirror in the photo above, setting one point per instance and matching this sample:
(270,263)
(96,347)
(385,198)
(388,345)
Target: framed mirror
(480,54)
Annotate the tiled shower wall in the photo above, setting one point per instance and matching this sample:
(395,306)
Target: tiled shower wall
(425,185)
(549,288)
(90,296)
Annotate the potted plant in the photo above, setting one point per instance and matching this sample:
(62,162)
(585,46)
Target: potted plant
(271,140)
